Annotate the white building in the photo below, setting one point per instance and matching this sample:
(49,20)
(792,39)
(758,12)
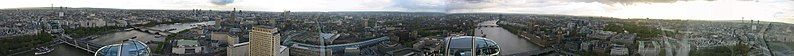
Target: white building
(619,50)
(186,47)
(648,48)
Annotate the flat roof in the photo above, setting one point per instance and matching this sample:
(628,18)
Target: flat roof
(264,26)
(187,42)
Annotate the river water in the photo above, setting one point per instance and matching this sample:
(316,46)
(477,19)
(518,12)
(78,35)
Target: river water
(508,42)
(117,37)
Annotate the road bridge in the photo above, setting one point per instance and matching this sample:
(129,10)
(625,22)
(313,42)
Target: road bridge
(152,31)
(81,44)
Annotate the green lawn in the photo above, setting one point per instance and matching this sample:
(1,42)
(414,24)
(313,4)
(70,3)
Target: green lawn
(644,32)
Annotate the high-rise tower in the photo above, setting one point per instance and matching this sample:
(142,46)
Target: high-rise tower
(264,41)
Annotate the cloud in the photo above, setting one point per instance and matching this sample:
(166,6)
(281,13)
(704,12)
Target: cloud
(343,5)
(766,10)
(525,6)
(708,10)
(222,2)
(420,5)
(315,5)
(629,1)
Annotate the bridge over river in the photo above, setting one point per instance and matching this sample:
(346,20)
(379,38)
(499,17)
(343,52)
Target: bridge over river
(66,45)
(509,43)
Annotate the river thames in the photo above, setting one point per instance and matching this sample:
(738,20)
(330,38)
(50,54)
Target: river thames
(508,42)
(117,37)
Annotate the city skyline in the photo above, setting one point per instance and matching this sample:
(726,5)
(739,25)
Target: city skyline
(764,10)
(463,27)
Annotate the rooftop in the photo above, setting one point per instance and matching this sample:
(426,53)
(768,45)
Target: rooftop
(186,42)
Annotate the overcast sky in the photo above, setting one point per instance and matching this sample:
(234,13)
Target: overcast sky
(766,10)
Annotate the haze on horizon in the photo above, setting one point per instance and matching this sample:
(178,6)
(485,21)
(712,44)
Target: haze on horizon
(764,10)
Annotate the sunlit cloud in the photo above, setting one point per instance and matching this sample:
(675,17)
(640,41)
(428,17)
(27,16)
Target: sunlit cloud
(766,10)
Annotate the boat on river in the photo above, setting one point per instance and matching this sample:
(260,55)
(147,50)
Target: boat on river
(43,50)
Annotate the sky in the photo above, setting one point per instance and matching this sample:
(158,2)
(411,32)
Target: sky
(765,10)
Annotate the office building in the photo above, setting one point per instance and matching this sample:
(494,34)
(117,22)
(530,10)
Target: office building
(264,41)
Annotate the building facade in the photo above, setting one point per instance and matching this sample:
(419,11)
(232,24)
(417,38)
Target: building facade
(264,41)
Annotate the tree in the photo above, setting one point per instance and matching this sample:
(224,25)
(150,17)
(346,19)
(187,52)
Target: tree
(742,48)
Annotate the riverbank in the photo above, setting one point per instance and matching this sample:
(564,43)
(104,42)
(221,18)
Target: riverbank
(113,36)
(508,42)
(24,42)
(89,31)
(515,29)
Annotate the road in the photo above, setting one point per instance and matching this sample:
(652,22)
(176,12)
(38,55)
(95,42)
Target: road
(508,42)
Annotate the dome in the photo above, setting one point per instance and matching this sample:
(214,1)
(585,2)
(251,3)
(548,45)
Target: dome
(461,46)
(129,48)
